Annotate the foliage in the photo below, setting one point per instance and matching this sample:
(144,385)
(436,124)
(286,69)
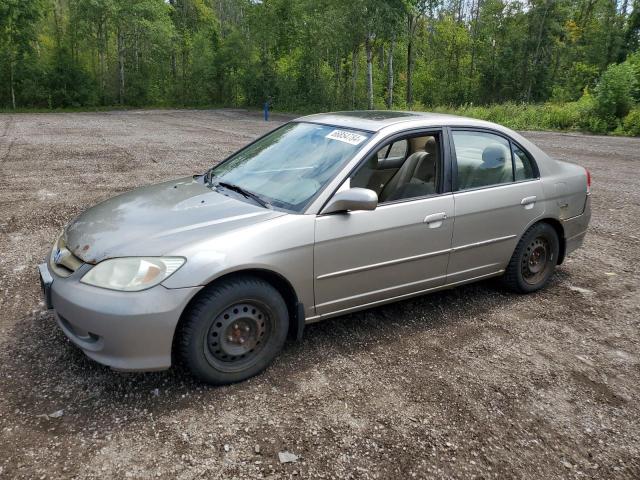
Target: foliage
(19,67)
(631,123)
(615,91)
(579,115)
(579,76)
(572,59)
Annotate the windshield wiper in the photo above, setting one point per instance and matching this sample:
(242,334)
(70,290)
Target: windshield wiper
(245,193)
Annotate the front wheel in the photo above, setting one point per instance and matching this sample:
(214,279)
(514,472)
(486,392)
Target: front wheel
(233,330)
(534,259)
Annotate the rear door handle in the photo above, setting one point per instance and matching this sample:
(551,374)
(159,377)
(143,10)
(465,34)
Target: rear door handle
(435,220)
(528,202)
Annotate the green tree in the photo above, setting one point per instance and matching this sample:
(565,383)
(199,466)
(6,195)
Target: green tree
(18,34)
(143,39)
(615,92)
(193,20)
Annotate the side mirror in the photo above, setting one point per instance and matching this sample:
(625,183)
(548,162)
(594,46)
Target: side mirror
(352,199)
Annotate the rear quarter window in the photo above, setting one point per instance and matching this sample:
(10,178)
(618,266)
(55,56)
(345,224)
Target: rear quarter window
(524,168)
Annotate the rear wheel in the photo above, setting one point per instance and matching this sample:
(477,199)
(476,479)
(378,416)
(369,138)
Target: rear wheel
(233,330)
(534,259)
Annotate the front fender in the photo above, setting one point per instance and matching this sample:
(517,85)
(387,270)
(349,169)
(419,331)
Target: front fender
(283,245)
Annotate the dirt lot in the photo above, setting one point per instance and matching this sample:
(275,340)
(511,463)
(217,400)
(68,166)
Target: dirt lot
(470,383)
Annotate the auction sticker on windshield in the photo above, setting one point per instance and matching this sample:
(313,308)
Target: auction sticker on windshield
(347,137)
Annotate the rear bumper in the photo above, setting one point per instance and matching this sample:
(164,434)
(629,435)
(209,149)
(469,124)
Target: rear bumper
(575,228)
(123,330)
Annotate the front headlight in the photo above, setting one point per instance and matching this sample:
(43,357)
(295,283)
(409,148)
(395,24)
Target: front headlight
(132,274)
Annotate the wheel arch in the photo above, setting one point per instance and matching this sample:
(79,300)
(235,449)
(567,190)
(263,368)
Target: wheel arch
(278,281)
(557,226)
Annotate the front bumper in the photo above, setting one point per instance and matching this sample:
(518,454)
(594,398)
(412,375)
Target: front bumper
(123,330)
(46,280)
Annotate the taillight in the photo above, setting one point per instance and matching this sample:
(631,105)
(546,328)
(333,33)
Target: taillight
(588,181)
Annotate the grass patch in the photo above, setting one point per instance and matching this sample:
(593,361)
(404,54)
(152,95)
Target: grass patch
(572,116)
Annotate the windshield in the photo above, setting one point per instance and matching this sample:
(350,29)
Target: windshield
(287,167)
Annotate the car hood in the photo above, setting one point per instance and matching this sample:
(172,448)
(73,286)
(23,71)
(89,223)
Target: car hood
(158,219)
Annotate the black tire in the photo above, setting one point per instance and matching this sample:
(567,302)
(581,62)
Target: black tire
(233,330)
(534,259)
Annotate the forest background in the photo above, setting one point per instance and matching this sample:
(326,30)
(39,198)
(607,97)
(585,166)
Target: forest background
(530,64)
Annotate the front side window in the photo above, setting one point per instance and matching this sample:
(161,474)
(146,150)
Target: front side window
(286,168)
(483,159)
(405,169)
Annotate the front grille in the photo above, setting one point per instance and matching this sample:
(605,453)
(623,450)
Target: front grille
(62,261)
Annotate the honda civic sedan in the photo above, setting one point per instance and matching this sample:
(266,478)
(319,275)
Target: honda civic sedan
(327,214)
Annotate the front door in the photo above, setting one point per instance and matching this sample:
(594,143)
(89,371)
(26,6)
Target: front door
(366,257)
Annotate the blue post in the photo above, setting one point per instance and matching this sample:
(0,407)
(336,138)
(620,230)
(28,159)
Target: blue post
(266,111)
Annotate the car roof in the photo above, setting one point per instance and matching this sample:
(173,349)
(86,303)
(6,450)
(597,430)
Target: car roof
(397,121)
(376,120)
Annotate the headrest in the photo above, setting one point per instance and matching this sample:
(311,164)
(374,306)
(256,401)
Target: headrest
(430,146)
(494,156)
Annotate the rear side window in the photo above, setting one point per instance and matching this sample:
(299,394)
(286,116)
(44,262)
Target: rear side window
(483,159)
(524,168)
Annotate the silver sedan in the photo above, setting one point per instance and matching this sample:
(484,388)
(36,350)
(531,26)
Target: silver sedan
(325,215)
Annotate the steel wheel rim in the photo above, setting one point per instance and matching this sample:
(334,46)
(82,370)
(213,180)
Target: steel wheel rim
(536,261)
(237,335)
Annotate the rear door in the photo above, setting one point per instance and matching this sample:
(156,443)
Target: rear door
(497,194)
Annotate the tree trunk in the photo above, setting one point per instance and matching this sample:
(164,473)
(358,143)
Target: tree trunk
(460,8)
(337,70)
(623,9)
(474,34)
(102,79)
(390,73)
(369,52)
(174,60)
(537,51)
(56,23)
(184,67)
(411,28)
(136,51)
(101,53)
(13,92)
(120,66)
(354,76)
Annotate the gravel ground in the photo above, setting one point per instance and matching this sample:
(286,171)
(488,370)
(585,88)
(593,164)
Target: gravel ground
(470,383)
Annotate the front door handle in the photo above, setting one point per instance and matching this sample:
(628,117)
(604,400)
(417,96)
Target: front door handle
(435,220)
(528,202)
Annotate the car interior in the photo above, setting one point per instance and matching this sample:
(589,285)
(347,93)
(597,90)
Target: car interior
(490,166)
(484,159)
(410,167)
(406,168)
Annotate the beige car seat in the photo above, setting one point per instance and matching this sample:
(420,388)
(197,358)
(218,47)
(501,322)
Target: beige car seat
(416,176)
